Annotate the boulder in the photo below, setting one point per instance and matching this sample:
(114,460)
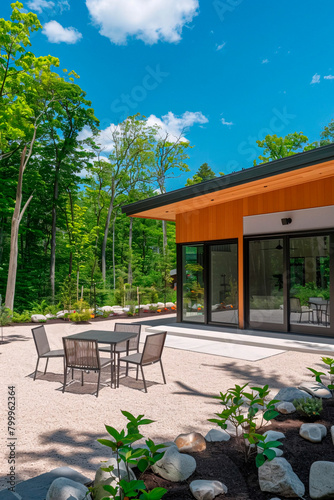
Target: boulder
(9,495)
(190,442)
(103,478)
(207,490)
(285,408)
(290,394)
(61,314)
(50,316)
(313,432)
(321,483)
(277,476)
(63,488)
(273,436)
(38,318)
(106,308)
(316,389)
(217,435)
(332,433)
(170,304)
(175,466)
(278,452)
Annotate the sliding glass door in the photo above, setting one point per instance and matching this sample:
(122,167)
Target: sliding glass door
(193,283)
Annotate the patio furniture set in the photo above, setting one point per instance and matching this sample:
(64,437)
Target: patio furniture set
(81,351)
(317,310)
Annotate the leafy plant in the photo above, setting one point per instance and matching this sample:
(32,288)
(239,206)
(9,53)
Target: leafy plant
(82,311)
(143,458)
(241,410)
(310,407)
(5,317)
(330,363)
(24,317)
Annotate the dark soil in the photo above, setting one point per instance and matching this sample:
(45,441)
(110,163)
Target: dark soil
(225,461)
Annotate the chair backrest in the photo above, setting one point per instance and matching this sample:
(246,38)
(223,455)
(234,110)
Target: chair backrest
(41,340)
(295,305)
(82,354)
(129,328)
(153,348)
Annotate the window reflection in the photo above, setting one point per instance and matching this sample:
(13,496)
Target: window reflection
(193,283)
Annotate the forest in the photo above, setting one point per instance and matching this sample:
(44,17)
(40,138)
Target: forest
(61,227)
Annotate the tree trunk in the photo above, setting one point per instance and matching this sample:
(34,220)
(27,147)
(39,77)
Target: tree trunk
(105,237)
(113,253)
(2,237)
(16,219)
(53,236)
(130,277)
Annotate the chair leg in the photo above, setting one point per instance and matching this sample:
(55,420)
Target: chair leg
(65,376)
(82,377)
(36,369)
(142,372)
(162,371)
(46,365)
(137,372)
(98,384)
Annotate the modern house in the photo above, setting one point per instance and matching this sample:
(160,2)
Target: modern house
(256,247)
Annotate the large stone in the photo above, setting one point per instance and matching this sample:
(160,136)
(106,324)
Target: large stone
(175,466)
(9,495)
(313,432)
(194,441)
(216,435)
(285,408)
(207,490)
(321,483)
(332,433)
(290,394)
(106,309)
(273,436)
(103,478)
(63,488)
(38,318)
(316,389)
(277,476)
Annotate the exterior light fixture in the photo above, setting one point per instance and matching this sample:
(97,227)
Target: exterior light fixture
(286,221)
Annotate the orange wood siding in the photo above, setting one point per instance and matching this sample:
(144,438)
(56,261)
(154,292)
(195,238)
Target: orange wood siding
(225,220)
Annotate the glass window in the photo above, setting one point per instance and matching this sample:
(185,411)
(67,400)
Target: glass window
(266,304)
(309,300)
(193,283)
(224,283)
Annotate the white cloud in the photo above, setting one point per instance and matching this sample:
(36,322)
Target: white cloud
(56,33)
(265,61)
(176,126)
(221,46)
(40,5)
(329,77)
(224,122)
(315,79)
(147,20)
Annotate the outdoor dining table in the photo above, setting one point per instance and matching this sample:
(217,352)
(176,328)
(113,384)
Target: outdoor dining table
(106,337)
(321,306)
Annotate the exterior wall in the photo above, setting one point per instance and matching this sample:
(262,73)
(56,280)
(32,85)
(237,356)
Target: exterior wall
(225,220)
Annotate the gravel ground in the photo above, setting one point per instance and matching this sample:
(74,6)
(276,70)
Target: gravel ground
(55,429)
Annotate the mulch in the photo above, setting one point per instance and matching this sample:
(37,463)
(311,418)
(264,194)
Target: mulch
(225,461)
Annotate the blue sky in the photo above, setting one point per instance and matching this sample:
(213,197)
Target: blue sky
(230,71)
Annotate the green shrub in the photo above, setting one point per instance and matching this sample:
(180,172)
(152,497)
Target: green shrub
(79,316)
(310,407)
(24,317)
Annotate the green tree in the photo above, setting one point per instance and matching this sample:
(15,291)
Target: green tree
(275,147)
(204,173)
(327,135)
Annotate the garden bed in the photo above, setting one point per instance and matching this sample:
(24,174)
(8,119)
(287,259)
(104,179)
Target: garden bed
(225,461)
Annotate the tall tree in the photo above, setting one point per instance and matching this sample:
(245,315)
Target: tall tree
(204,173)
(275,147)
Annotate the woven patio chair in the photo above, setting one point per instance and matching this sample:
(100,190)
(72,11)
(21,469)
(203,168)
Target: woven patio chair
(295,307)
(43,347)
(151,354)
(83,355)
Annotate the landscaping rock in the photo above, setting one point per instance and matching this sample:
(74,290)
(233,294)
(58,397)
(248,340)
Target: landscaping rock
(216,435)
(106,308)
(321,483)
(170,304)
(332,433)
(63,488)
(277,476)
(61,314)
(313,432)
(290,394)
(38,318)
(207,490)
(190,442)
(316,389)
(175,466)
(50,316)
(285,408)
(278,452)
(117,310)
(273,436)
(103,478)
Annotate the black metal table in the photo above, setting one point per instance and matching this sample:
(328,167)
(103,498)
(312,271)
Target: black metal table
(106,337)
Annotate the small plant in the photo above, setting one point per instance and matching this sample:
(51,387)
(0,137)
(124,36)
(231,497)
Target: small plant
(143,458)
(330,363)
(310,408)
(24,317)
(81,313)
(5,317)
(241,410)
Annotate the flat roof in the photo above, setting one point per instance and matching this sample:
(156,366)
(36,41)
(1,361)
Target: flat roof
(305,165)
